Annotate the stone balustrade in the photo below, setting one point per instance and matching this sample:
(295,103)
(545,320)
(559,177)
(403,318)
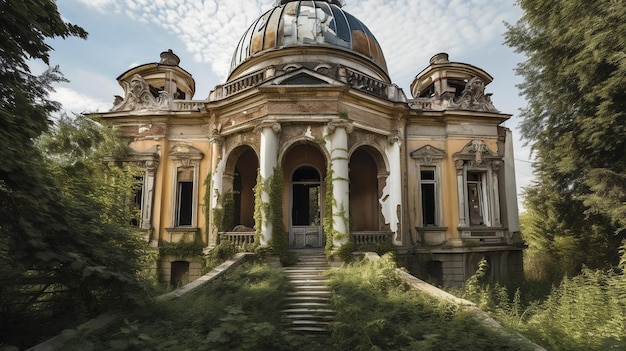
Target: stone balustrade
(239,239)
(371,237)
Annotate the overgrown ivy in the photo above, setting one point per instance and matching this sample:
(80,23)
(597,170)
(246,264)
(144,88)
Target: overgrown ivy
(280,239)
(207,205)
(182,249)
(273,212)
(224,213)
(259,208)
(346,249)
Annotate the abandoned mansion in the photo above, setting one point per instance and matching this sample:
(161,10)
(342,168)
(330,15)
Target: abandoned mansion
(309,102)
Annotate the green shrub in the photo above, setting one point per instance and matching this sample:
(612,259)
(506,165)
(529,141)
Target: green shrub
(377,311)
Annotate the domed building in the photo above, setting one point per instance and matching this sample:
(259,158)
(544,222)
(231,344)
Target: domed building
(309,144)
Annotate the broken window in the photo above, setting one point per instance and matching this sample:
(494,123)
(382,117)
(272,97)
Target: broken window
(428,187)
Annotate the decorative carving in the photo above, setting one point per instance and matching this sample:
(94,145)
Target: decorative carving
(185,155)
(439,59)
(365,83)
(393,138)
(169,58)
(139,97)
(275,126)
(332,125)
(473,98)
(428,155)
(477,154)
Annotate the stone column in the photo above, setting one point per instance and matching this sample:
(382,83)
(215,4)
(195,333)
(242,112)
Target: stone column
(461,190)
(148,199)
(267,162)
(214,188)
(339,131)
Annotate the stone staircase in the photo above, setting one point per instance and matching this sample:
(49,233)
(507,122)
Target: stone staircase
(308,306)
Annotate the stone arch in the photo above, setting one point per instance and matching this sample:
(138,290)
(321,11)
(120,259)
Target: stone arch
(240,174)
(368,174)
(303,155)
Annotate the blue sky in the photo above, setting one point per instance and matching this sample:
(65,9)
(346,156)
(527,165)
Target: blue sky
(204,34)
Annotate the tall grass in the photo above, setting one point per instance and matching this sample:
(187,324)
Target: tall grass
(376,311)
(586,312)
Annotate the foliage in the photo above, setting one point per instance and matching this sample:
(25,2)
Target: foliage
(224,213)
(225,250)
(83,256)
(280,239)
(576,123)
(181,249)
(585,312)
(239,311)
(60,251)
(329,202)
(259,207)
(376,311)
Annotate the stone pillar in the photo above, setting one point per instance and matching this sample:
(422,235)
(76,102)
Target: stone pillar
(461,191)
(214,187)
(148,199)
(341,179)
(267,163)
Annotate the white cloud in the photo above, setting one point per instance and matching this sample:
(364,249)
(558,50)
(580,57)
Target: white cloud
(75,102)
(409,31)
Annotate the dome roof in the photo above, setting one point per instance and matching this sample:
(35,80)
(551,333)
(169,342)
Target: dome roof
(308,24)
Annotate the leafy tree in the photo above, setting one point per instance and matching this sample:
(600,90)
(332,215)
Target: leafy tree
(575,86)
(63,251)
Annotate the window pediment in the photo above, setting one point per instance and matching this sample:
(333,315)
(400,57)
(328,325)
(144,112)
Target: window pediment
(476,154)
(428,155)
(183,151)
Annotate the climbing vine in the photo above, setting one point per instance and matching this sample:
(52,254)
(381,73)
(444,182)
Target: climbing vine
(224,213)
(273,212)
(207,204)
(332,234)
(280,240)
(259,208)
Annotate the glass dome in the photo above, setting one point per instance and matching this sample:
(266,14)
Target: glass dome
(308,23)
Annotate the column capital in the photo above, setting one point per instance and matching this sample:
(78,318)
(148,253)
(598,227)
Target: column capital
(216,139)
(274,125)
(332,125)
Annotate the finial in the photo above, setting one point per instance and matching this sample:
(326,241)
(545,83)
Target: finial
(169,58)
(339,3)
(441,57)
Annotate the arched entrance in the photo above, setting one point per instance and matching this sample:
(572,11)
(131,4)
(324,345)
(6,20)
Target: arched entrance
(306,208)
(239,180)
(304,167)
(365,163)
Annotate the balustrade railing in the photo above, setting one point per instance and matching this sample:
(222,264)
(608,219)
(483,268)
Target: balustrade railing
(371,237)
(239,239)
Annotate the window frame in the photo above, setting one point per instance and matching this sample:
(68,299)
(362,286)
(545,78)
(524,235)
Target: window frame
(429,158)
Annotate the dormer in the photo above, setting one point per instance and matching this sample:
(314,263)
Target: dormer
(155,85)
(445,85)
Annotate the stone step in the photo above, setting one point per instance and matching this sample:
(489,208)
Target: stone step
(312,294)
(306,298)
(309,311)
(300,283)
(308,304)
(307,307)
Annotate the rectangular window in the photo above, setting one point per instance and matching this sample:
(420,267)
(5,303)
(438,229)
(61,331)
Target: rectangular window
(428,186)
(475,198)
(184,198)
(138,202)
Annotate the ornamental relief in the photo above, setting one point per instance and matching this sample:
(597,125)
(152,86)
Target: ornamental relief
(140,97)
(477,154)
(428,155)
(472,98)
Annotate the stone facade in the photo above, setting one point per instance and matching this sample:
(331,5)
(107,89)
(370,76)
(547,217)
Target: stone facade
(433,173)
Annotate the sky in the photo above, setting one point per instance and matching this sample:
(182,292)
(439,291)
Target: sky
(204,33)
